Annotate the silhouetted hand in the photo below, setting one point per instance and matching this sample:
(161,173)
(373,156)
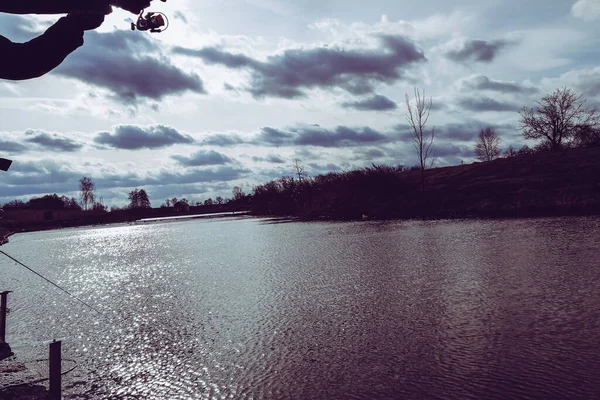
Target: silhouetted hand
(134,6)
(85,21)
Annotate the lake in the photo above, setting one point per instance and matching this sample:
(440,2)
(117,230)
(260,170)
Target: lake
(246,308)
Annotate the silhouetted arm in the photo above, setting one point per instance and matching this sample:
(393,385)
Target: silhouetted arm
(70,6)
(44,53)
(52,6)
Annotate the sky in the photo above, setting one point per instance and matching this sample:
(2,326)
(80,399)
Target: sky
(235,90)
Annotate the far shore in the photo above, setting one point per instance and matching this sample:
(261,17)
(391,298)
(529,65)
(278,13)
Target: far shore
(5,233)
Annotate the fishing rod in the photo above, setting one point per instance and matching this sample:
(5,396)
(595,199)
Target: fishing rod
(52,283)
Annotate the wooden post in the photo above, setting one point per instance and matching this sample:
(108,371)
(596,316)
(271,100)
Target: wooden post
(3,309)
(55,371)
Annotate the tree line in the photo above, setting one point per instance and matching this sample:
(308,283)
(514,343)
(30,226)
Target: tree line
(138,199)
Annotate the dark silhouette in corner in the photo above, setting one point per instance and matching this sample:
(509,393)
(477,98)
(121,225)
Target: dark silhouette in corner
(44,53)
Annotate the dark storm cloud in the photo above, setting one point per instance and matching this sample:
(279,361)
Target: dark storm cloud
(481,82)
(290,74)
(203,158)
(52,141)
(375,103)
(118,61)
(271,158)
(321,137)
(477,50)
(487,104)
(132,137)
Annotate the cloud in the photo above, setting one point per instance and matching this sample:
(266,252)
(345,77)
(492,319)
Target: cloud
(481,82)
(11,147)
(52,141)
(290,74)
(133,137)
(451,149)
(203,158)
(588,10)
(467,131)
(586,81)
(369,154)
(476,50)
(302,135)
(341,136)
(480,104)
(270,158)
(375,103)
(202,175)
(38,177)
(29,178)
(319,169)
(118,61)
(222,140)
(18,28)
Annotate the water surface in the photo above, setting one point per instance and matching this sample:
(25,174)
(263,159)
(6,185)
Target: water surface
(245,308)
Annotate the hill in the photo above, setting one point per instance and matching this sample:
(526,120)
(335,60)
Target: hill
(565,183)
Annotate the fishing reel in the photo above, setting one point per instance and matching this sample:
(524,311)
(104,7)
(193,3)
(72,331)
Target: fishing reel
(152,21)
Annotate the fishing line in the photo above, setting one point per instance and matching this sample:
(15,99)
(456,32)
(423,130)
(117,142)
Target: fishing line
(49,281)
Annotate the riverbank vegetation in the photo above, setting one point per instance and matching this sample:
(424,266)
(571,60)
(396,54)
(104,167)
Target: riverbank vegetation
(526,183)
(559,176)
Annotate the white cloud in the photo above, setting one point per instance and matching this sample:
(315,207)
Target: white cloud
(586,9)
(585,81)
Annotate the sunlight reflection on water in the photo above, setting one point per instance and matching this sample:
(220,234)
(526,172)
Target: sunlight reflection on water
(243,308)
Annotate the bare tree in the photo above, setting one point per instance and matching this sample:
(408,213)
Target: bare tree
(238,193)
(557,118)
(86,189)
(298,169)
(487,147)
(423,139)
(510,152)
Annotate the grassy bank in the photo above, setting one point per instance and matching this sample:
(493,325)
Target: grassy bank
(566,183)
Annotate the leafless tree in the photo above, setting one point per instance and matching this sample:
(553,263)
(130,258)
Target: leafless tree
(510,152)
(487,147)
(86,189)
(238,193)
(557,118)
(423,139)
(298,169)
